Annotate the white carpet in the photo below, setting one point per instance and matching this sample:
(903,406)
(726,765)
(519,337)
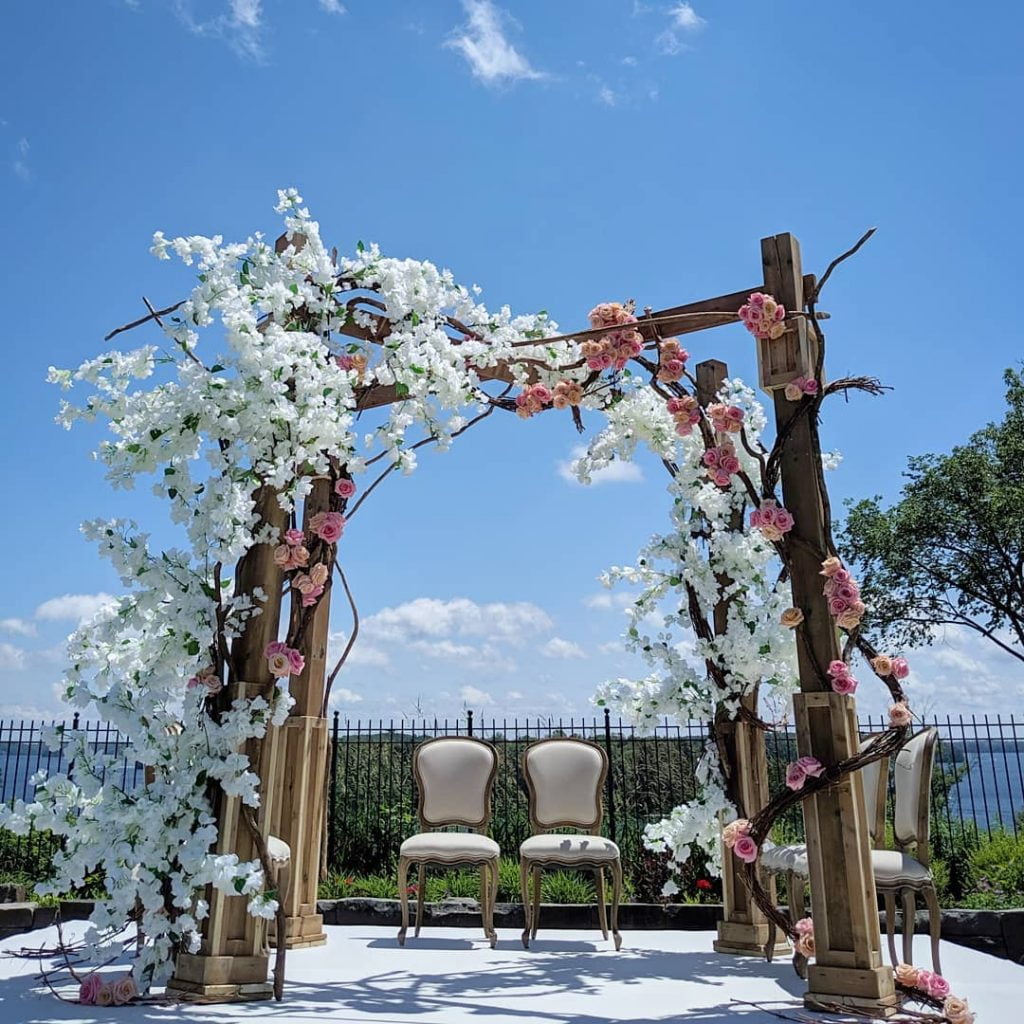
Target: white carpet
(450,976)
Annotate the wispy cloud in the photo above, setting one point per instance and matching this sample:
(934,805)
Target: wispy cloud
(607,96)
(20,627)
(332,6)
(73,607)
(471,695)
(487,50)
(556,647)
(20,165)
(241,26)
(683,20)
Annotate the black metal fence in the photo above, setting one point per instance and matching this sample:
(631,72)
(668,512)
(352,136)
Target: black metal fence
(978,783)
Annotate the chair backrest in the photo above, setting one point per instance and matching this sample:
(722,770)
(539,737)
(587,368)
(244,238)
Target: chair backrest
(875,780)
(454,779)
(565,779)
(912,782)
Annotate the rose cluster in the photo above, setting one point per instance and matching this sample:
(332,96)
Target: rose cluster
(736,837)
(94,991)
(617,347)
(293,553)
(840,677)
(685,413)
(772,520)
(672,362)
(935,985)
(804,944)
(328,526)
(726,419)
(802,769)
(283,660)
(357,362)
(763,316)
(800,386)
(843,594)
(311,585)
(207,678)
(566,393)
(721,463)
(533,400)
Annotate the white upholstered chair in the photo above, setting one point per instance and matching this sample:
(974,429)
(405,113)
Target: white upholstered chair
(896,871)
(279,854)
(565,779)
(454,779)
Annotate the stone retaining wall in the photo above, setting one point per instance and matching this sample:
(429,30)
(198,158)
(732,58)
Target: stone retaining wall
(999,932)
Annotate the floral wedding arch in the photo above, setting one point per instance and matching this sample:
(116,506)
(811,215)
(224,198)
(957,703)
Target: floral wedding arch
(250,419)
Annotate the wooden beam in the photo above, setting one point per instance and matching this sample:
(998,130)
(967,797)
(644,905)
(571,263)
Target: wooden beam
(847,960)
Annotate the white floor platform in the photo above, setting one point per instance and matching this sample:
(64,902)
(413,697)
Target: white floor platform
(450,976)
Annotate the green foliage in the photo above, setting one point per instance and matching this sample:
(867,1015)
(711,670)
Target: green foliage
(567,887)
(951,550)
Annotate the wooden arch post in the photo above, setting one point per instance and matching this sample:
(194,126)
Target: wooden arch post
(847,967)
(743,929)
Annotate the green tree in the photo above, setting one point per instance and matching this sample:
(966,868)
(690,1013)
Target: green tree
(951,550)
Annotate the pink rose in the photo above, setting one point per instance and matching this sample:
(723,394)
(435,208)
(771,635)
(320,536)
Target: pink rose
(838,668)
(837,605)
(721,477)
(711,457)
(730,464)
(123,990)
(328,526)
(345,488)
(795,776)
(811,766)
(900,715)
(274,647)
(938,987)
(746,849)
(295,661)
(294,537)
(89,989)
(844,685)
(279,664)
(831,566)
(541,393)
(784,520)
(684,429)
(675,405)
(900,668)
(805,926)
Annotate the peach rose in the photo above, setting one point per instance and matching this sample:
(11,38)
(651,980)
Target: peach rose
(318,574)
(805,945)
(791,618)
(831,566)
(906,974)
(793,392)
(882,665)
(850,619)
(105,996)
(279,664)
(282,555)
(123,990)
(957,1010)
(734,830)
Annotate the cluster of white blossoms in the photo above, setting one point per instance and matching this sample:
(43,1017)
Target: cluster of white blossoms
(714,554)
(254,387)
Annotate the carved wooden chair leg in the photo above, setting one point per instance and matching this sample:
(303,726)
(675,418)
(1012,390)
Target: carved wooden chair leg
(909,916)
(795,894)
(492,899)
(403,897)
(890,926)
(535,912)
(934,924)
(485,901)
(421,889)
(524,889)
(602,916)
(616,898)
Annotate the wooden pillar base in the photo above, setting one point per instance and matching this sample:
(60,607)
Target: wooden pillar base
(865,990)
(224,979)
(742,939)
(302,932)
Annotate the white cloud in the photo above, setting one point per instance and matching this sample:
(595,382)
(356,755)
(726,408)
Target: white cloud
(430,617)
(630,62)
(342,695)
(11,656)
(686,18)
(514,695)
(471,695)
(242,26)
(607,96)
(556,647)
(491,57)
(332,6)
(617,472)
(20,165)
(73,607)
(19,626)
(604,600)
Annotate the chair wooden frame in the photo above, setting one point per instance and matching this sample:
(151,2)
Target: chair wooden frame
(906,889)
(533,866)
(488,866)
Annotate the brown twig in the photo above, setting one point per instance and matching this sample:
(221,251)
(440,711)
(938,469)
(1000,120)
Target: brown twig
(835,263)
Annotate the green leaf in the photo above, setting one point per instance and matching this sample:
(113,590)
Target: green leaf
(360,247)
(401,389)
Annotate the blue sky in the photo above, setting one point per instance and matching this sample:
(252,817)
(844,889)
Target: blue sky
(558,155)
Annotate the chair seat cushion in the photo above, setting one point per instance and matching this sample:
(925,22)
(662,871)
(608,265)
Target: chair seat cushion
(893,869)
(449,847)
(779,859)
(568,849)
(278,850)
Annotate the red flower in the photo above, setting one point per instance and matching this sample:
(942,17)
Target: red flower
(703,884)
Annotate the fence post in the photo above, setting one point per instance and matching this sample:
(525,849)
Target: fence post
(610,781)
(332,824)
(74,722)
(469,721)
